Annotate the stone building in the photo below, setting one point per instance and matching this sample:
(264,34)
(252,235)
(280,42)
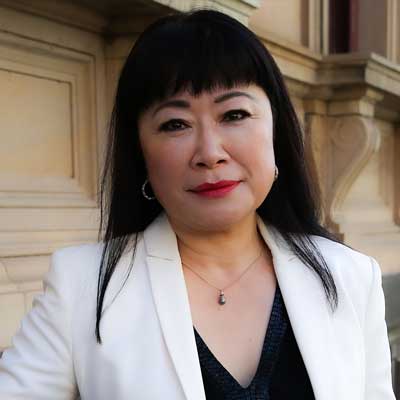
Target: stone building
(59,61)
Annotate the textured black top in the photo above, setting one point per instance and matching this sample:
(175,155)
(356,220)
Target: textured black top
(281,374)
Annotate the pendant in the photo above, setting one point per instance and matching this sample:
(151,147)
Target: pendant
(221,299)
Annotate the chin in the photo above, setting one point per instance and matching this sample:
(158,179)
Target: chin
(218,220)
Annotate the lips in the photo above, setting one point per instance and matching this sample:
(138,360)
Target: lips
(213,186)
(215,190)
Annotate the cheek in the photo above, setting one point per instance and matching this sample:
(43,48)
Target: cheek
(260,164)
(260,154)
(165,167)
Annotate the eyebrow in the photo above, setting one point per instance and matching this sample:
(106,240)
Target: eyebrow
(184,104)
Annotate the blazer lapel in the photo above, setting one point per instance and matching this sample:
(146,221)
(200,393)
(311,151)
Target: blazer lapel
(172,303)
(303,298)
(321,339)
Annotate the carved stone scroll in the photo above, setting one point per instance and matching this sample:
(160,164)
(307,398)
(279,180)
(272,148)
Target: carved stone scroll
(341,148)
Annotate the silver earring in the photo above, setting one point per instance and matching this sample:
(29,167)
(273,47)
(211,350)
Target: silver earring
(276,173)
(144,191)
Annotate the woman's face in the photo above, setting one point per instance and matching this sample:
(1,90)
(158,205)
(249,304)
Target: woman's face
(225,135)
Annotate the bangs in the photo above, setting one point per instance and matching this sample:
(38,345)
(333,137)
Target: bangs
(191,55)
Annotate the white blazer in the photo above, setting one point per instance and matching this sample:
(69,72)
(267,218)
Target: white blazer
(149,349)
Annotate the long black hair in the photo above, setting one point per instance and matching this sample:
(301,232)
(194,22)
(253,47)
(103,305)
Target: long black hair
(198,51)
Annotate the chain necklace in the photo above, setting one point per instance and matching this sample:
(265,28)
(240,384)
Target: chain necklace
(221,297)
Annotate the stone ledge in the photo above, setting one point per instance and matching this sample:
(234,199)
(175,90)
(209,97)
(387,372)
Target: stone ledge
(103,16)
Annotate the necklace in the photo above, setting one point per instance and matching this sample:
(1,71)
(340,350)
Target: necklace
(221,297)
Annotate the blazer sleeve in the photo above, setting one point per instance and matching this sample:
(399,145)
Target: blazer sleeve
(38,365)
(378,379)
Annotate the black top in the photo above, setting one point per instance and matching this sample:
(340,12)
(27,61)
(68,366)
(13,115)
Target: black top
(281,374)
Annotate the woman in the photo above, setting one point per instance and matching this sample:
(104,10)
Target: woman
(215,278)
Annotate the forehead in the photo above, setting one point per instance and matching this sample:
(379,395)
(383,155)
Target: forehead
(251,89)
(183,98)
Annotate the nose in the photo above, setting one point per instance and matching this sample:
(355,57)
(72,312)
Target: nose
(209,151)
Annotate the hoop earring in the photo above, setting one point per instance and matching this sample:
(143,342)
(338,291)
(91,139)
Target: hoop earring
(276,173)
(144,191)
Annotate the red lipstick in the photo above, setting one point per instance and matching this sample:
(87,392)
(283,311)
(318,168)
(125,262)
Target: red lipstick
(217,189)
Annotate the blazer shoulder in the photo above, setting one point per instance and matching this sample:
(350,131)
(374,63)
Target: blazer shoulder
(79,250)
(76,266)
(352,267)
(80,264)
(78,254)
(78,257)
(335,250)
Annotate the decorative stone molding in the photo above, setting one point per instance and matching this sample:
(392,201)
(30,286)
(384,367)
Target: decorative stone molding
(341,127)
(66,78)
(356,162)
(353,140)
(354,100)
(341,147)
(342,136)
(53,97)
(125,17)
(64,12)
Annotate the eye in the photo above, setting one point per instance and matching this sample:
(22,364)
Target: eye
(234,113)
(171,125)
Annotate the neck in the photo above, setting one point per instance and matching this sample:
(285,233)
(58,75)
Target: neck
(226,251)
